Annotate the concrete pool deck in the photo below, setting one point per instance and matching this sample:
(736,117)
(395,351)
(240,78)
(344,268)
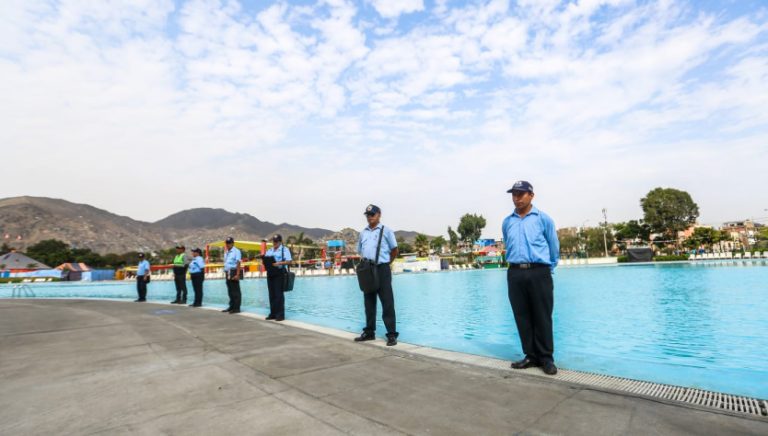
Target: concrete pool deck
(89,366)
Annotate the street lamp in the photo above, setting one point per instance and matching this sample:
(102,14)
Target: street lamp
(586,252)
(605,231)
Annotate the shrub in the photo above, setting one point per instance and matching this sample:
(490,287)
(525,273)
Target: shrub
(670,258)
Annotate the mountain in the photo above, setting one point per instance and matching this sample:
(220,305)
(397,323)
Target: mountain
(84,226)
(216,219)
(195,227)
(80,225)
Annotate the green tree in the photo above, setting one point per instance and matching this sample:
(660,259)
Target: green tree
(404,247)
(114,260)
(164,256)
(421,244)
(569,242)
(703,237)
(453,237)
(51,252)
(86,256)
(438,243)
(471,227)
(5,248)
(631,230)
(761,242)
(591,240)
(668,211)
(301,240)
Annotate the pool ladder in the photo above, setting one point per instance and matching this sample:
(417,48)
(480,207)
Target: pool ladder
(22,290)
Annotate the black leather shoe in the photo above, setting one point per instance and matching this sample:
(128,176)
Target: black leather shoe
(175,302)
(365,336)
(270,317)
(525,363)
(195,305)
(139,301)
(279,318)
(226,310)
(391,340)
(549,368)
(233,311)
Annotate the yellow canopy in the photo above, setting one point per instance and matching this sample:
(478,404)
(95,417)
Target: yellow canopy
(243,245)
(255,246)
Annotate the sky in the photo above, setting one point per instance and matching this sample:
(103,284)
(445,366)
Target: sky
(307,111)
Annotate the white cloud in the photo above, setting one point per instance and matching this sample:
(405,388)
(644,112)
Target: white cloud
(431,119)
(395,8)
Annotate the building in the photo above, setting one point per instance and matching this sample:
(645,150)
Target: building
(742,233)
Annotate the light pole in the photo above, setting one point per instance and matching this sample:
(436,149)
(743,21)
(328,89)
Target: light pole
(586,252)
(605,231)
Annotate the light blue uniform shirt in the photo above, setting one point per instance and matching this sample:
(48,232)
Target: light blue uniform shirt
(369,239)
(280,254)
(231,258)
(197,265)
(531,239)
(143,268)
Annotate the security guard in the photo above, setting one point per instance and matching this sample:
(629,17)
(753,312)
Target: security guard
(180,265)
(532,252)
(232,257)
(366,246)
(142,278)
(197,274)
(276,278)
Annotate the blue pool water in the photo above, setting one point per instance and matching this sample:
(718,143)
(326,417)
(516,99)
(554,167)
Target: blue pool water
(697,325)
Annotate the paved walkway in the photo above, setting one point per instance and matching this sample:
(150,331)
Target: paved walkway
(90,367)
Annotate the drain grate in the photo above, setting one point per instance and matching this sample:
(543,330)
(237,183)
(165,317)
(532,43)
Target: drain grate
(699,397)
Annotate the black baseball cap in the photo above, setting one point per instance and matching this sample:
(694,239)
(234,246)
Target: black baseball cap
(141,254)
(229,240)
(197,250)
(521,186)
(277,238)
(372,210)
(181,246)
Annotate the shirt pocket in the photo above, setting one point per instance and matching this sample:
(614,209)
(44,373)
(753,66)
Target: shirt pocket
(535,237)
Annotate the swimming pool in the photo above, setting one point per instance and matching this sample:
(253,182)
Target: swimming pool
(701,325)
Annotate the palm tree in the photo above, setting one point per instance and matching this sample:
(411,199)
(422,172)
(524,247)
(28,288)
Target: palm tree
(421,243)
(299,240)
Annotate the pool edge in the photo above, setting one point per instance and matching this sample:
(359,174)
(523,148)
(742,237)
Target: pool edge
(699,399)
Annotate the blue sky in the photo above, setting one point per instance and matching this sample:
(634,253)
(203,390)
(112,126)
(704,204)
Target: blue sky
(306,111)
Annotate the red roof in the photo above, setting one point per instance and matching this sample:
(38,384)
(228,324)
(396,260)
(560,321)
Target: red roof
(490,249)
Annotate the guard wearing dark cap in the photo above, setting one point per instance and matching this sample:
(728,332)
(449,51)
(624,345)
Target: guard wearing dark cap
(533,251)
(367,246)
(197,275)
(180,265)
(276,277)
(232,257)
(142,278)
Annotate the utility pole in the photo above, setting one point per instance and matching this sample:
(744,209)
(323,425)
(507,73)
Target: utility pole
(605,231)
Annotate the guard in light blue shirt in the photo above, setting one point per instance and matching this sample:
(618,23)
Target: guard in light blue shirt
(369,239)
(142,278)
(532,252)
(276,276)
(232,257)
(367,246)
(197,275)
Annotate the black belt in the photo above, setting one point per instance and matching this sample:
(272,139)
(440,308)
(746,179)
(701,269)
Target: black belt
(528,265)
